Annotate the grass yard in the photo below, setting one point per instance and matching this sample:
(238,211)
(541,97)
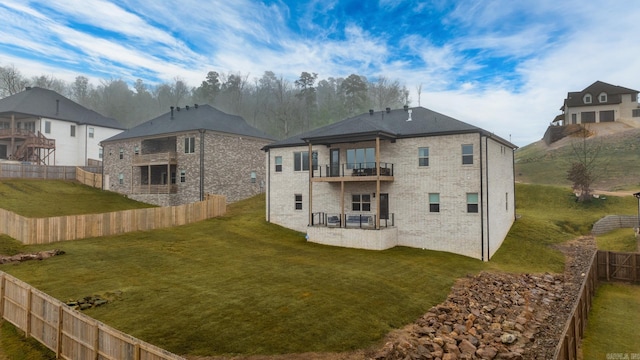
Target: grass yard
(622,240)
(238,285)
(613,323)
(39,198)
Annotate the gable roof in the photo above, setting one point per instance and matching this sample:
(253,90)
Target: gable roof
(613,92)
(392,124)
(203,117)
(39,102)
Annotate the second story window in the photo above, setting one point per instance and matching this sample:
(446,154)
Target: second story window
(121,153)
(472,202)
(361,158)
(301,160)
(587,98)
(136,150)
(91,130)
(298,201)
(183,176)
(467,154)
(423,156)
(100,153)
(602,97)
(278,163)
(189,145)
(434,202)
(73,131)
(47,127)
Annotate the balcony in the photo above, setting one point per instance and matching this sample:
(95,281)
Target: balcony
(353,172)
(357,220)
(156,159)
(356,232)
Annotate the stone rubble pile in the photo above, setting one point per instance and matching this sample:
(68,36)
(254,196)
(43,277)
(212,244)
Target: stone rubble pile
(41,255)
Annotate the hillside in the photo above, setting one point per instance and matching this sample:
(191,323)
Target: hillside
(618,163)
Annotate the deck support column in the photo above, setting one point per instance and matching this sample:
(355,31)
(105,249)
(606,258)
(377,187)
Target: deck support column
(310,159)
(378,182)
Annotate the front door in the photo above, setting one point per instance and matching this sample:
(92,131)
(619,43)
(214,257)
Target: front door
(334,160)
(384,206)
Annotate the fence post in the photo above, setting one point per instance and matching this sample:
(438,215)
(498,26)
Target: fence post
(136,351)
(607,263)
(59,332)
(96,343)
(27,330)
(634,270)
(1,295)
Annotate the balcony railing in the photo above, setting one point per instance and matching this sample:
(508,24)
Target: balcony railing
(362,221)
(156,158)
(155,189)
(353,169)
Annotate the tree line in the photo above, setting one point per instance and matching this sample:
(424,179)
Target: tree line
(271,103)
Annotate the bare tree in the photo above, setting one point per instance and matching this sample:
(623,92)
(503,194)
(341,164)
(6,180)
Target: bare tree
(586,166)
(11,81)
(49,82)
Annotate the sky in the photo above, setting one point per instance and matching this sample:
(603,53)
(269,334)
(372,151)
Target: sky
(503,65)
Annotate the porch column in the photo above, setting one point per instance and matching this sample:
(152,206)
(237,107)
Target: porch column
(310,156)
(378,182)
(343,221)
(148,179)
(13,134)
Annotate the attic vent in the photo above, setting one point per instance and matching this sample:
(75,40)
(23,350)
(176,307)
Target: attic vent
(371,112)
(409,111)
(186,107)
(406,107)
(388,110)
(195,106)
(178,108)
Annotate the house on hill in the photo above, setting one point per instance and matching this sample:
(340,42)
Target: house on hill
(178,157)
(407,177)
(43,127)
(598,103)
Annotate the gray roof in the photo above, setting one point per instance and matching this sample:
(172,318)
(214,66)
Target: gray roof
(203,117)
(613,92)
(387,125)
(39,102)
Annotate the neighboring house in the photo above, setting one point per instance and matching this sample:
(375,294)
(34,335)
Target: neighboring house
(407,177)
(43,127)
(598,103)
(184,154)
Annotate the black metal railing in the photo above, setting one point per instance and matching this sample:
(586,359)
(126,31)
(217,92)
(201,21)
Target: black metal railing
(363,221)
(353,169)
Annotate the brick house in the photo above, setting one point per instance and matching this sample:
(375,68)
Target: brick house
(598,103)
(406,177)
(178,157)
(43,127)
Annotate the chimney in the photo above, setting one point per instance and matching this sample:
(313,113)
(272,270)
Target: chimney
(371,112)
(28,88)
(388,110)
(57,106)
(195,106)
(186,107)
(178,108)
(172,113)
(406,107)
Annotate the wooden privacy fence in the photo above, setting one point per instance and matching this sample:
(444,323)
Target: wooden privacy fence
(26,171)
(67,332)
(32,231)
(89,178)
(605,266)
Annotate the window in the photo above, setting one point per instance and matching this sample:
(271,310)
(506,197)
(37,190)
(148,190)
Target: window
(121,179)
(587,98)
(91,130)
(47,127)
(121,153)
(100,153)
(253,176)
(423,156)
(278,163)
(472,202)
(361,158)
(189,145)
(183,176)
(136,150)
(635,112)
(434,202)
(467,154)
(301,160)
(361,202)
(73,131)
(173,177)
(574,118)
(298,201)
(602,97)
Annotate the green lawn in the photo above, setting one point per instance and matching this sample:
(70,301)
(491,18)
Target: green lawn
(613,323)
(38,198)
(238,285)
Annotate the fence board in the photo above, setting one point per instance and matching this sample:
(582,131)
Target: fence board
(618,266)
(69,333)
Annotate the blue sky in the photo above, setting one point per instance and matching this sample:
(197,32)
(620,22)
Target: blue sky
(503,65)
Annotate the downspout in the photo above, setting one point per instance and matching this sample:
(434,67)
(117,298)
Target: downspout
(268,185)
(513,167)
(102,164)
(86,137)
(202,131)
(486,154)
(481,200)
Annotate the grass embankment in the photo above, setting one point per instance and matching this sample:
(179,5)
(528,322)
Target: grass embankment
(38,198)
(238,285)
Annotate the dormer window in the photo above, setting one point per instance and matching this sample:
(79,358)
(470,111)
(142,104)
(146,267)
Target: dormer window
(602,97)
(587,98)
